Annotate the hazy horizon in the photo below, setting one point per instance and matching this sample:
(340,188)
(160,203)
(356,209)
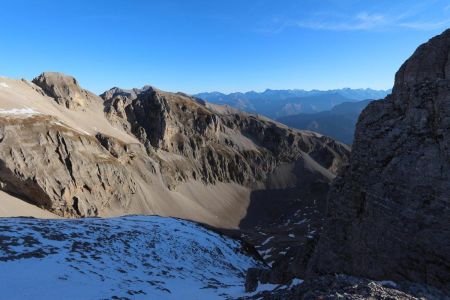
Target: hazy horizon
(293,89)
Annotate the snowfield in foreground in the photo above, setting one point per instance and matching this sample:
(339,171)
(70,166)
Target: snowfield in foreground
(118,258)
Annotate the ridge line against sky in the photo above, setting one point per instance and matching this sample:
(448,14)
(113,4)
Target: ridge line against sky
(294,90)
(227,46)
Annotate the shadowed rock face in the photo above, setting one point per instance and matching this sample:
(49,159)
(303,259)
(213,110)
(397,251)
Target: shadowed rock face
(389,211)
(347,287)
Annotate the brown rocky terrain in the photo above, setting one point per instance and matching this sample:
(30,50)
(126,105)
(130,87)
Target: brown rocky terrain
(146,151)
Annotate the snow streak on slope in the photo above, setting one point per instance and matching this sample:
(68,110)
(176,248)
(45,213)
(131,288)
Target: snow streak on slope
(129,257)
(19,111)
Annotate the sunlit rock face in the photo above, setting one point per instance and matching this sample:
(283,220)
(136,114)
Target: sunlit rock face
(146,151)
(64,90)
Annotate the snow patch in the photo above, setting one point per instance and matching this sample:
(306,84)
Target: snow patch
(71,128)
(267,240)
(130,257)
(265,287)
(271,287)
(82,131)
(59,123)
(296,281)
(19,111)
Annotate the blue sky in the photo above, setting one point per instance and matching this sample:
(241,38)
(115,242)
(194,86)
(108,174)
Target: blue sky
(193,46)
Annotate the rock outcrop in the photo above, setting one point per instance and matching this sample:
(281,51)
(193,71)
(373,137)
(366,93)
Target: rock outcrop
(147,151)
(348,287)
(58,169)
(64,89)
(217,146)
(389,211)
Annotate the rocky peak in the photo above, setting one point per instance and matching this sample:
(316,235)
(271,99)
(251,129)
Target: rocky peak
(389,211)
(430,62)
(64,89)
(146,151)
(220,147)
(129,94)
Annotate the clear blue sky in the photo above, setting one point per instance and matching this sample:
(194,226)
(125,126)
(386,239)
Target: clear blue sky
(232,45)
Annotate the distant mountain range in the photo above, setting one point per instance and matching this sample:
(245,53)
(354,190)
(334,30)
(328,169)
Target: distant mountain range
(339,122)
(279,103)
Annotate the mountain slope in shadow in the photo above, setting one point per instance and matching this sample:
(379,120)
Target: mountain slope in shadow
(338,123)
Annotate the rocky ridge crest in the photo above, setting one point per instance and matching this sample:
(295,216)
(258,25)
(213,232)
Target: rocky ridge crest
(155,153)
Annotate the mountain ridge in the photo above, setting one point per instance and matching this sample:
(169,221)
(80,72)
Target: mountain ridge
(279,103)
(147,151)
(338,123)
(381,230)
(302,92)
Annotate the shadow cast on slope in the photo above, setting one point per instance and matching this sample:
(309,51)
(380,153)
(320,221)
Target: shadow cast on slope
(275,206)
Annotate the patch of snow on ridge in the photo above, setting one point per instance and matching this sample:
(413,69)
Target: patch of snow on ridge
(267,240)
(19,111)
(129,257)
(4,85)
(267,287)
